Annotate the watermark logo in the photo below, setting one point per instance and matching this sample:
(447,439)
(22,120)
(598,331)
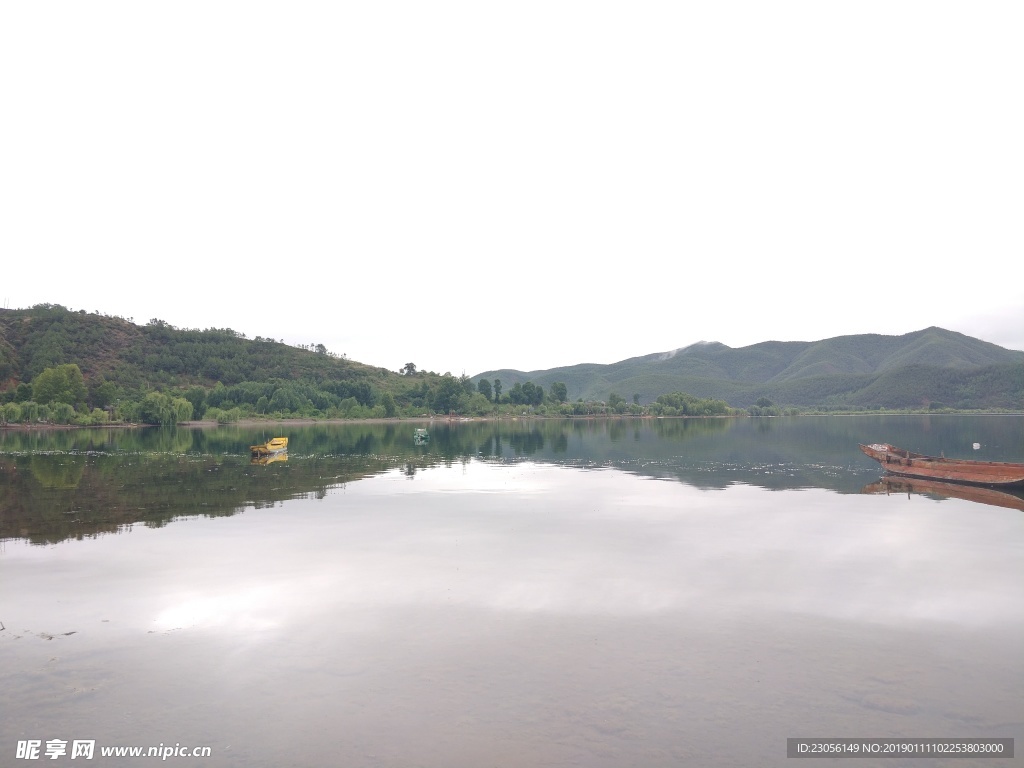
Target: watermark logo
(35,749)
(82,749)
(28,750)
(52,749)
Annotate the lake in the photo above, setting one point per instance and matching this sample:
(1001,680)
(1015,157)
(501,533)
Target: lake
(535,593)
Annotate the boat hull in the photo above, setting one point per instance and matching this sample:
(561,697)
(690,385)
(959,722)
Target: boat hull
(270,448)
(897,461)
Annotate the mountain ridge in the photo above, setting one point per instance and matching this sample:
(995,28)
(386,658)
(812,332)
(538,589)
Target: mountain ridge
(800,372)
(121,362)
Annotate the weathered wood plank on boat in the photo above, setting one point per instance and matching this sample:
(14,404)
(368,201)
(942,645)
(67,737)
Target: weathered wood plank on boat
(898,461)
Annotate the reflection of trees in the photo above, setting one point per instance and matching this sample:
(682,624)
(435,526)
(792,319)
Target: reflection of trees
(65,484)
(51,498)
(143,439)
(57,471)
(526,443)
(689,428)
(94,481)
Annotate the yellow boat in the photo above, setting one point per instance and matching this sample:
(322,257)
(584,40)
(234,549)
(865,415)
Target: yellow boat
(269,448)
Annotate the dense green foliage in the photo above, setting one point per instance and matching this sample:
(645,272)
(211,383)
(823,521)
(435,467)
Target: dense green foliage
(682,404)
(62,384)
(109,369)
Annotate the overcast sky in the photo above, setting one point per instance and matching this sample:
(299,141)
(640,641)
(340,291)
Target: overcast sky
(471,186)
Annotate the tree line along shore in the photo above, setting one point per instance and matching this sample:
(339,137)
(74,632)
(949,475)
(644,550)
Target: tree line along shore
(72,368)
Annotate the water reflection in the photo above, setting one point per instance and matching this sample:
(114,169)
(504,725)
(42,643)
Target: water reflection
(657,594)
(938,490)
(78,483)
(551,614)
(56,471)
(273,458)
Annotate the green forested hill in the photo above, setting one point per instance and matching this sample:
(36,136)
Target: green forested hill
(931,366)
(117,350)
(135,372)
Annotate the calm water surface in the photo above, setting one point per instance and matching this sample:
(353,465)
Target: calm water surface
(594,593)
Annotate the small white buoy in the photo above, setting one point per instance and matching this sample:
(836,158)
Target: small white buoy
(977,446)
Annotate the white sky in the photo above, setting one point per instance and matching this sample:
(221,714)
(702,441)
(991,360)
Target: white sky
(475,185)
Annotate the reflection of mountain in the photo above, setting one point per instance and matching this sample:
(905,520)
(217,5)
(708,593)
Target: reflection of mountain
(73,484)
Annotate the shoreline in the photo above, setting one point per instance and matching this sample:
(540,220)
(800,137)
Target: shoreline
(210,424)
(298,422)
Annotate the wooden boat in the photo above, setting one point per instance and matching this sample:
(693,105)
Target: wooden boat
(1012,499)
(269,448)
(897,461)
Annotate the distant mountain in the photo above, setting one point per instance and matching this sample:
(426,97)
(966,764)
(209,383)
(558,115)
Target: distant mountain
(931,366)
(122,362)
